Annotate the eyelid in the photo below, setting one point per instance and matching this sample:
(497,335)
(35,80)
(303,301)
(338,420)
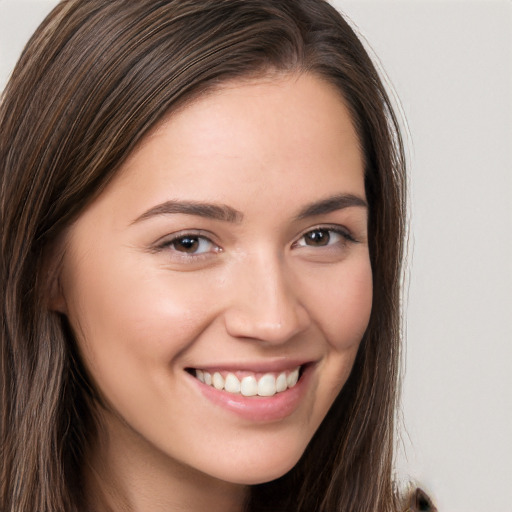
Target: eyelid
(165,243)
(336,228)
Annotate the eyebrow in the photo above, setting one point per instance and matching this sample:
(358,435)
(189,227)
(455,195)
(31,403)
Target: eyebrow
(209,210)
(331,204)
(226,213)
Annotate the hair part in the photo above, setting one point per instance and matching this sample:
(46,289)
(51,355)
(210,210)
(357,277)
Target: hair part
(93,80)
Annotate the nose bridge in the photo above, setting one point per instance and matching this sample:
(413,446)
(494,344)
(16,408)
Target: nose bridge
(265,304)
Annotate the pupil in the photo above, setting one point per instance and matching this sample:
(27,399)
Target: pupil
(318,237)
(187,244)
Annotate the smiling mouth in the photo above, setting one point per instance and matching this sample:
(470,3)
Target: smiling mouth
(248,383)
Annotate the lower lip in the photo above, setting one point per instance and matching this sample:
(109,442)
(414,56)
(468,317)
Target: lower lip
(258,408)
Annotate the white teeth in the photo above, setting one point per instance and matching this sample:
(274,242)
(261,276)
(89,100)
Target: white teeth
(249,386)
(218,381)
(232,384)
(292,378)
(267,385)
(281,382)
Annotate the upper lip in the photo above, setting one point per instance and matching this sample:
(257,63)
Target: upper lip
(261,366)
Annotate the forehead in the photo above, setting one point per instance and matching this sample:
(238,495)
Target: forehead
(280,100)
(279,137)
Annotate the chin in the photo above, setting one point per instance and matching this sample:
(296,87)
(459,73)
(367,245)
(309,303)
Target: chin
(260,467)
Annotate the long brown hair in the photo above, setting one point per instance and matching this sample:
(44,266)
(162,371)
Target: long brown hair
(93,79)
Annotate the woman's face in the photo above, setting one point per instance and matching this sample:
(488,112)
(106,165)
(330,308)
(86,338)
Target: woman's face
(230,251)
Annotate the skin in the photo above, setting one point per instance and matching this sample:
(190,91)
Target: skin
(145,306)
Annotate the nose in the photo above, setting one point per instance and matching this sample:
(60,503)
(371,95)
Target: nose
(265,303)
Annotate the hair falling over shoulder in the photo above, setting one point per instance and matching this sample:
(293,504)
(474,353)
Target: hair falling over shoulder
(92,81)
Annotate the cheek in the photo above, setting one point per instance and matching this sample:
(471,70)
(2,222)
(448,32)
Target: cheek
(342,311)
(128,321)
(345,305)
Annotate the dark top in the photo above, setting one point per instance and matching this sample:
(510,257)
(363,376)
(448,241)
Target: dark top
(418,501)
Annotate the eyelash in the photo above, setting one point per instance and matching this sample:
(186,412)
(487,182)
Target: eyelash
(201,239)
(344,233)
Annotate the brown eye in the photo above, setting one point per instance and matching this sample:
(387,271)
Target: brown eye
(188,244)
(317,237)
(324,237)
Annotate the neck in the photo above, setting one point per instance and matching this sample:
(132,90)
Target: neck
(125,473)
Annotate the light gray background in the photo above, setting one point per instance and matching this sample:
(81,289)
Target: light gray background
(450,63)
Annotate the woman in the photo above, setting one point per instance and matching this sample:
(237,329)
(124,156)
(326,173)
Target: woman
(202,210)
